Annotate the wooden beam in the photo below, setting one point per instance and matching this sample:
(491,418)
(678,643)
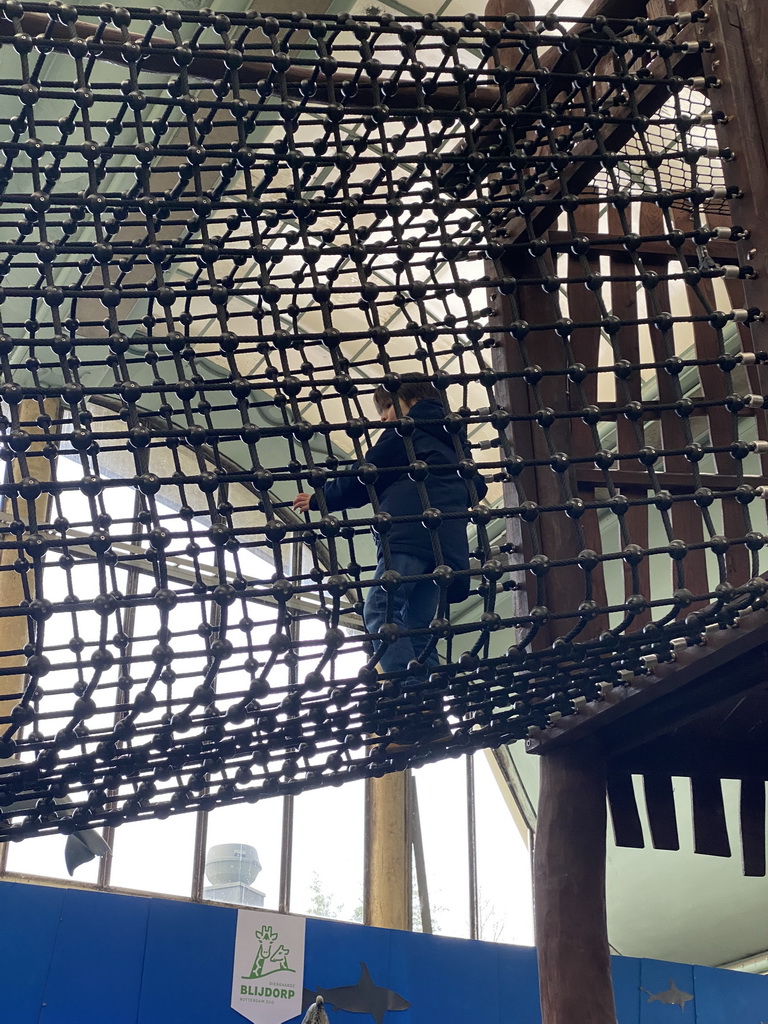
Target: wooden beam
(663,8)
(735,666)
(569,885)
(689,755)
(387,877)
(710,830)
(650,97)
(558,536)
(501,8)
(731,661)
(677,483)
(739,31)
(627,827)
(212,67)
(602,244)
(662,814)
(752,820)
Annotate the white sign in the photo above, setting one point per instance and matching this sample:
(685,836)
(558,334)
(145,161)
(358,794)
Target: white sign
(268,972)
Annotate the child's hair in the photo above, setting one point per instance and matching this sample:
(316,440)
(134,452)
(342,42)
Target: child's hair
(409,392)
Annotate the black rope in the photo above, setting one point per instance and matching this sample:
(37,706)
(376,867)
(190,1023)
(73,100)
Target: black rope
(219,236)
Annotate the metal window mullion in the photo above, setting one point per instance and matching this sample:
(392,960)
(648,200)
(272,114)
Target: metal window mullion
(286,846)
(416,850)
(198,866)
(472,850)
(286,855)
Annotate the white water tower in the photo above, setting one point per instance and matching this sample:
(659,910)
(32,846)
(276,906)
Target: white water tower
(231,868)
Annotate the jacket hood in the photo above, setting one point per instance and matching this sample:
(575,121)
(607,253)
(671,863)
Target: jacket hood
(430,409)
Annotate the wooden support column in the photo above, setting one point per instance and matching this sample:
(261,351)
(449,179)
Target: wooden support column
(501,8)
(665,8)
(569,890)
(387,874)
(569,853)
(738,31)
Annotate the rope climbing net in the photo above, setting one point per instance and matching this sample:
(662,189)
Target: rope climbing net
(218,236)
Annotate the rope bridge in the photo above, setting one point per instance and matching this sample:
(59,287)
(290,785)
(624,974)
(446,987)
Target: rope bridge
(219,235)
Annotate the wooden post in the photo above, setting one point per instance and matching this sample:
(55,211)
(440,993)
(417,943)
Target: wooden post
(387,878)
(666,8)
(569,858)
(569,890)
(738,29)
(500,8)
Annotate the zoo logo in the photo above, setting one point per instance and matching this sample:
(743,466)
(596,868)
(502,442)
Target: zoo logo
(270,958)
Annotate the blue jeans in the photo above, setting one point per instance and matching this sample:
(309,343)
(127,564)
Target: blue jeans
(413,607)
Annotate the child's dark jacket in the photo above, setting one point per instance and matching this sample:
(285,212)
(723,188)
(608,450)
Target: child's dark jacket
(399,496)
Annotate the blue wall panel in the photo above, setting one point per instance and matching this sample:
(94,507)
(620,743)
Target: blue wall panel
(82,957)
(334,953)
(660,981)
(97,961)
(626,985)
(442,978)
(29,915)
(518,984)
(729,997)
(188,965)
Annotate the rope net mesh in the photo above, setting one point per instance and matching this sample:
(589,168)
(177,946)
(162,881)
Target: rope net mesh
(218,236)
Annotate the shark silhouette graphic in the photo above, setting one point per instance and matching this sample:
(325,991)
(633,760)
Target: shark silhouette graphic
(364,997)
(672,997)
